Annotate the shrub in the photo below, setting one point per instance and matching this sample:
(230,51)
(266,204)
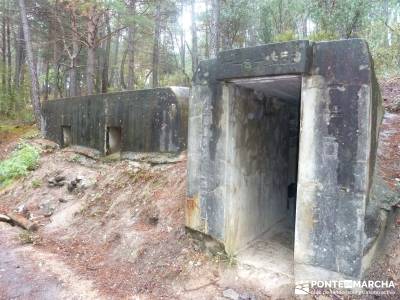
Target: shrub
(285,36)
(319,36)
(24,159)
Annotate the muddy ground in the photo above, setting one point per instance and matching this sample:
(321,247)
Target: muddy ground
(118,231)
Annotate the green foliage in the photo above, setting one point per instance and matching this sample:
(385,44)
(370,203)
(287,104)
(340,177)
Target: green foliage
(384,43)
(288,35)
(343,17)
(14,103)
(22,160)
(318,36)
(177,78)
(279,19)
(36,183)
(242,23)
(386,60)
(235,17)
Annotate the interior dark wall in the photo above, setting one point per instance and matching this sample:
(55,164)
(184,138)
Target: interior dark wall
(113,140)
(66,136)
(259,157)
(294,132)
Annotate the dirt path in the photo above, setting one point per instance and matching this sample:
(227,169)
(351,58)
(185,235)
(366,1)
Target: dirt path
(26,273)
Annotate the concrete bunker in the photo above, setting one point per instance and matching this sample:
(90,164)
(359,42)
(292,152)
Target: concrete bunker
(142,121)
(285,123)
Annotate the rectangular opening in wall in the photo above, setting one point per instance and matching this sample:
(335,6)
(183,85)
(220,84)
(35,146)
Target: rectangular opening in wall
(263,128)
(113,140)
(66,137)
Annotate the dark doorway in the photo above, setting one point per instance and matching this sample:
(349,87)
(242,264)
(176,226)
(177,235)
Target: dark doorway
(113,140)
(66,136)
(263,130)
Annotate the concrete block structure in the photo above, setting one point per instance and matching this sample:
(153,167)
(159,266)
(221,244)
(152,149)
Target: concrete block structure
(287,133)
(152,120)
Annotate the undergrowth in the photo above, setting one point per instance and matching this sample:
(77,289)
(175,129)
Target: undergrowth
(28,237)
(22,160)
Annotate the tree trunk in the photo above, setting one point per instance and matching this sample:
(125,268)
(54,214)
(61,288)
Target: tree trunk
(386,12)
(21,220)
(46,82)
(215,28)
(91,50)
(57,55)
(19,57)
(106,58)
(35,97)
(9,71)
(73,72)
(207,32)
(114,67)
(131,47)
(58,87)
(3,50)
(195,51)
(121,75)
(91,67)
(156,46)
(252,31)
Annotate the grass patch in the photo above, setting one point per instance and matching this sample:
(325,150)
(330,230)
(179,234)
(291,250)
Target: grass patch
(24,159)
(111,158)
(17,129)
(28,237)
(36,183)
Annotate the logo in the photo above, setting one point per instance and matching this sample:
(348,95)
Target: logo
(345,287)
(302,289)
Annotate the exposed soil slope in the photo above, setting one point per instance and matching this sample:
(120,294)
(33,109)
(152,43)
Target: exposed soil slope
(120,228)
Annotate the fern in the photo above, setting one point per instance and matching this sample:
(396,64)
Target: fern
(22,160)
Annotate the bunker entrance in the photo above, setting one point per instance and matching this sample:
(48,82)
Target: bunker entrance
(113,140)
(264,130)
(66,137)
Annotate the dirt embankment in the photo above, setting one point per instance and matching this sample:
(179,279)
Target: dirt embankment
(117,228)
(390,90)
(389,138)
(10,134)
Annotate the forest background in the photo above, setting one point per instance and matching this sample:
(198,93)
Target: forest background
(53,48)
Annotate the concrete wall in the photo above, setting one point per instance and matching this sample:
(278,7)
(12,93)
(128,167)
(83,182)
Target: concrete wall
(205,209)
(153,120)
(339,125)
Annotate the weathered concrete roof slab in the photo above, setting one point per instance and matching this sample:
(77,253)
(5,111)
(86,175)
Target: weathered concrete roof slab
(271,59)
